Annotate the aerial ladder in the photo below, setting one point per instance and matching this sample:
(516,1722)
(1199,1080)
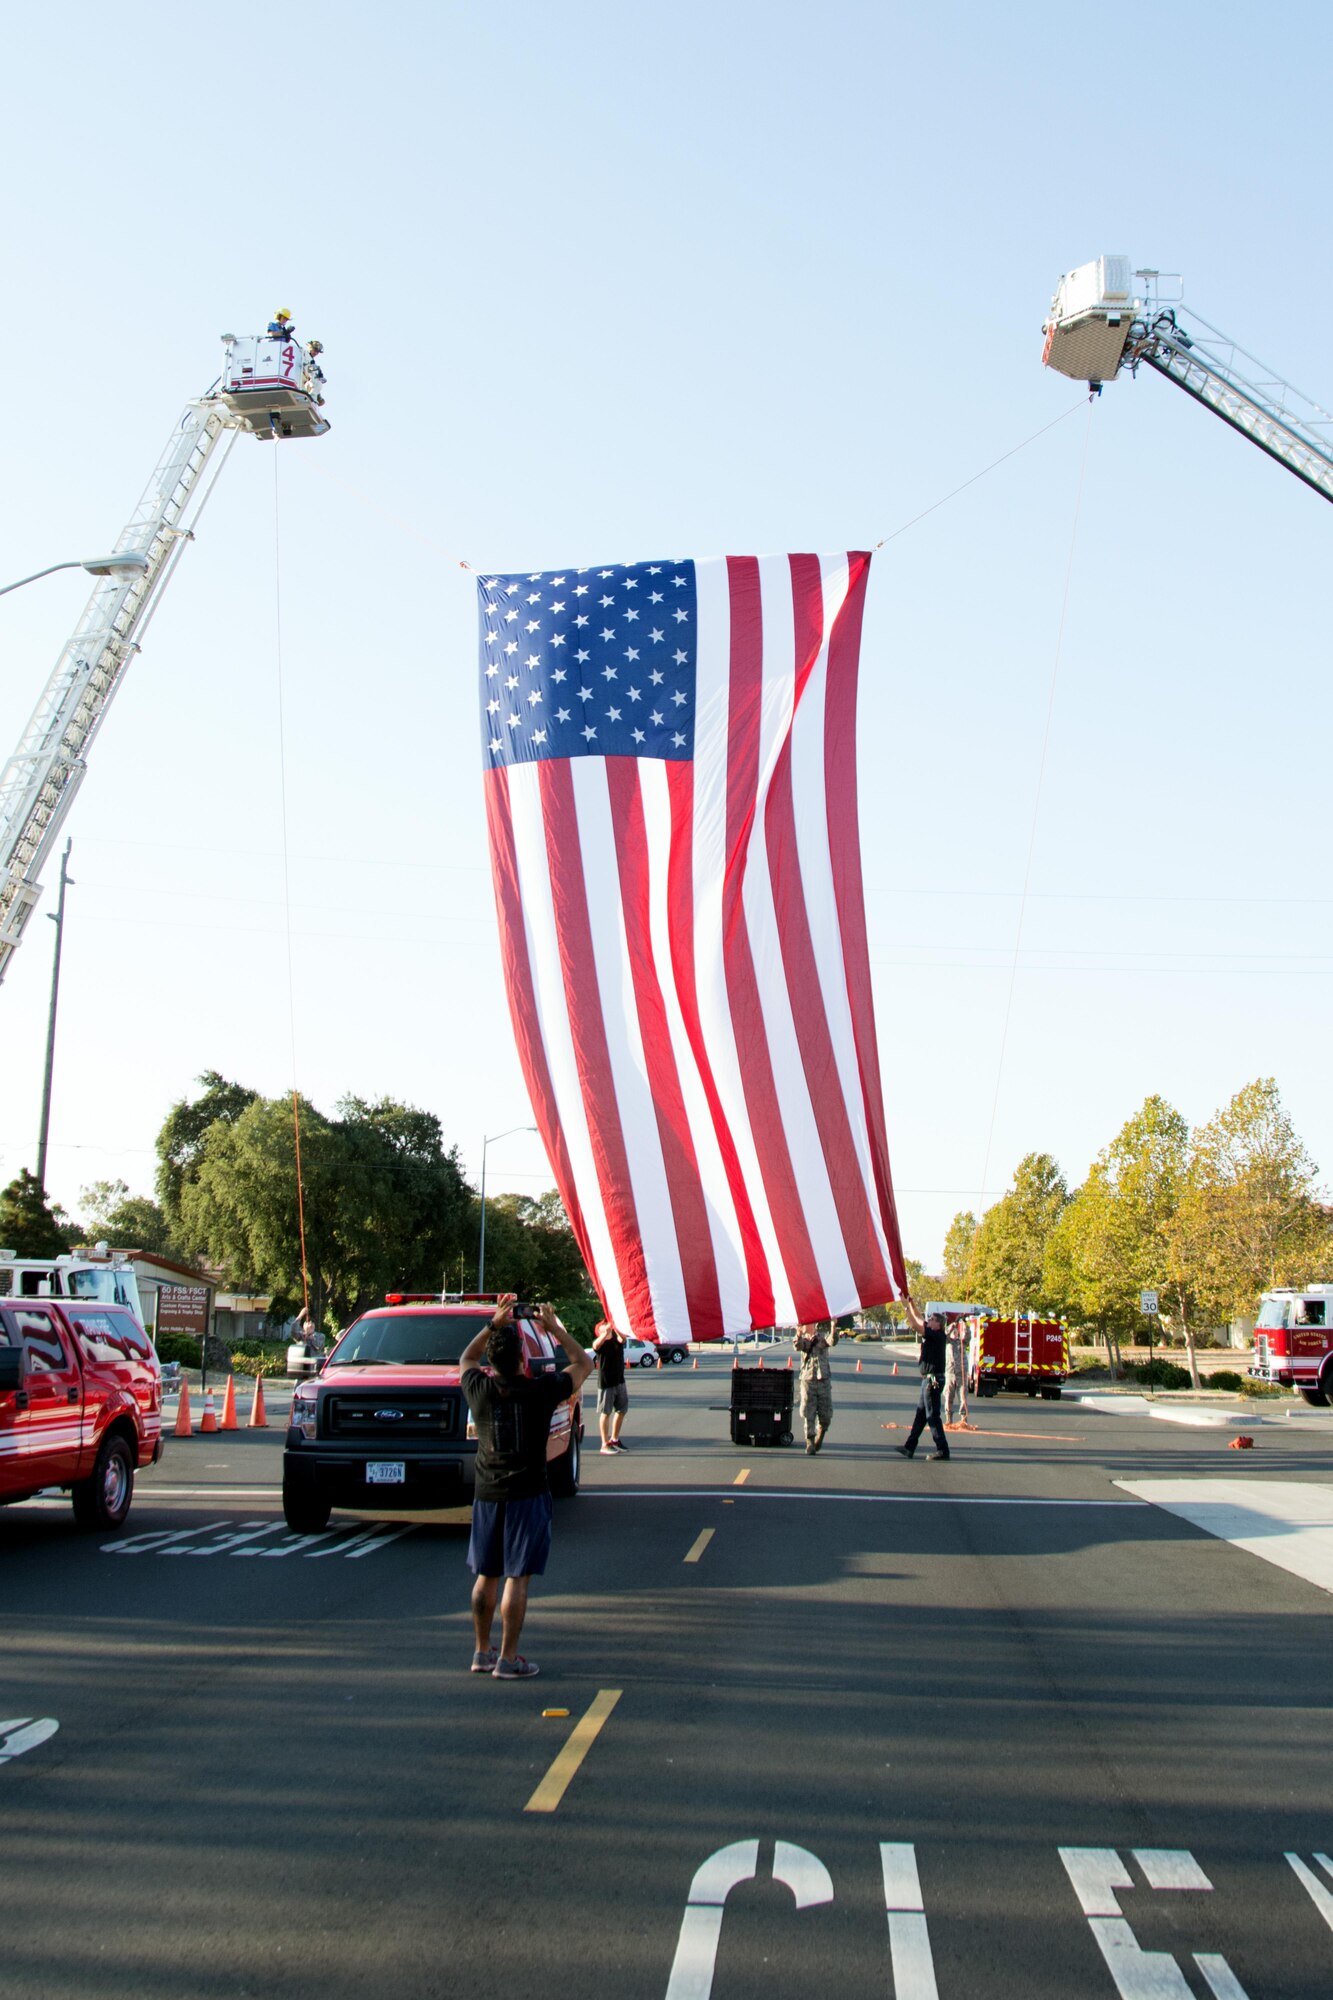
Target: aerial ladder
(271,386)
(1106,319)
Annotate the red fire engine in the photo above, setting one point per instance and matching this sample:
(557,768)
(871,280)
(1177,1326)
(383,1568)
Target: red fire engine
(1293,1341)
(1018,1354)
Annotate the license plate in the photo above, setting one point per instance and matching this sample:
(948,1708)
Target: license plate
(386,1472)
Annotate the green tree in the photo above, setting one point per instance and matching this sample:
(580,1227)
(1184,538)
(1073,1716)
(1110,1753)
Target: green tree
(958,1247)
(1083,1272)
(530,1247)
(1008,1262)
(29,1226)
(126,1221)
(1250,1216)
(386,1208)
(180,1143)
(97,1203)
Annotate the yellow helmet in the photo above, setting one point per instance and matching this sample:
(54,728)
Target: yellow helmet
(282,313)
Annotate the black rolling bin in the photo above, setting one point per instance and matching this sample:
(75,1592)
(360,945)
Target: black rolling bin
(761,1405)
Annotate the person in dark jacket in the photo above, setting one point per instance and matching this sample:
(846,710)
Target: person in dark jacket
(934,1357)
(511,1506)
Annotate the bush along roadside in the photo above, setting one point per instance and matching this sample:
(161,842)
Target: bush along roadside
(1159,1374)
(265,1364)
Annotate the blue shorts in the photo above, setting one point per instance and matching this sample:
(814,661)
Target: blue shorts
(510,1537)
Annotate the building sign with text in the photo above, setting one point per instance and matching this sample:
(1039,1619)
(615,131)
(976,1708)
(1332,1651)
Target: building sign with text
(182,1309)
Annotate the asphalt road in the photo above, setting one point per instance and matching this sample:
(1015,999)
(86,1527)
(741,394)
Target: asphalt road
(889,1684)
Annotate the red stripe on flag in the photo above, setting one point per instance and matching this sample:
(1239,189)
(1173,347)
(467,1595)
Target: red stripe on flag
(814,1039)
(583,1000)
(761,1098)
(680,902)
(523,1009)
(680,1161)
(845,846)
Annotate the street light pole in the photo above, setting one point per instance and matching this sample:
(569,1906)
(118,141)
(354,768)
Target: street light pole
(130,564)
(58,919)
(481,1246)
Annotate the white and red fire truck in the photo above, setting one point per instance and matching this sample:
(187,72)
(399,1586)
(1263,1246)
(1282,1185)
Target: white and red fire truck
(1293,1341)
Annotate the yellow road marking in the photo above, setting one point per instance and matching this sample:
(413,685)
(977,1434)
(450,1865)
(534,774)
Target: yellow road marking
(741,1476)
(700,1545)
(579,1742)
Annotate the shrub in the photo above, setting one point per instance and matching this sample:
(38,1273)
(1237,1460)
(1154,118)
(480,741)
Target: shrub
(1226,1378)
(182,1347)
(1253,1388)
(258,1364)
(1160,1374)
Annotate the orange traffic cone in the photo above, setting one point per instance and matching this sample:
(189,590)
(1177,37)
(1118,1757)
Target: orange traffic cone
(895,1368)
(258,1417)
(659,1357)
(228,1422)
(183,1425)
(858,1364)
(695,1364)
(761,1361)
(209,1420)
(789,1361)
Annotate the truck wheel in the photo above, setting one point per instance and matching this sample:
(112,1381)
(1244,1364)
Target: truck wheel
(1315,1398)
(304,1513)
(103,1499)
(1051,1395)
(564,1474)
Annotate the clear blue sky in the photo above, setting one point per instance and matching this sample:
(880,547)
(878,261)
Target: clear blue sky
(601,281)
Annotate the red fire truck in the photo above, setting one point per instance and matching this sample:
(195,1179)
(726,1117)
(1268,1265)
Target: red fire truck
(1019,1354)
(1293,1341)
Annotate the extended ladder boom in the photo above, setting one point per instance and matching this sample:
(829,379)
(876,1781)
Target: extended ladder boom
(1103,319)
(269,388)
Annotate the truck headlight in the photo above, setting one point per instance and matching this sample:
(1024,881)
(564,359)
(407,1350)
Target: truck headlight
(304,1406)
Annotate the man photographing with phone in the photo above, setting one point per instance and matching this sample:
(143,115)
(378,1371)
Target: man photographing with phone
(612,1395)
(511,1505)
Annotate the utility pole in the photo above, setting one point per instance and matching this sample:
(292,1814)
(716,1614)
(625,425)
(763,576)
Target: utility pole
(58,919)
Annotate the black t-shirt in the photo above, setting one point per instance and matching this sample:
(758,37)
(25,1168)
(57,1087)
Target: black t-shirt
(611,1365)
(513,1425)
(934,1350)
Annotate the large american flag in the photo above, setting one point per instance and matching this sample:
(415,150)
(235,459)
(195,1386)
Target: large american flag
(670,775)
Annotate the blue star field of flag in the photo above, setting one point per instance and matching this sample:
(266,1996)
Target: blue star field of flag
(588,663)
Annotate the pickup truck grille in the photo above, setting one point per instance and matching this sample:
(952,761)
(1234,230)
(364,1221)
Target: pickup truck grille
(412,1413)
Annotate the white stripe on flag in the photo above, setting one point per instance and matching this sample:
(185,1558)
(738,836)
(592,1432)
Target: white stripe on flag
(525,809)
(711,747)
(634,1106)
(812,836)
(723,1228)
(798,1118)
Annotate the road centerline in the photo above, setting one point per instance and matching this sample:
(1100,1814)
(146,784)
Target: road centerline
(699,1544)
(577,1745)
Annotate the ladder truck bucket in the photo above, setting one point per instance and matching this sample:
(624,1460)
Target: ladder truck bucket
(1090,321)
(273,386)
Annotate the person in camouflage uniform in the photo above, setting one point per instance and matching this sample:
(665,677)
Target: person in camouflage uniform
(812,1344)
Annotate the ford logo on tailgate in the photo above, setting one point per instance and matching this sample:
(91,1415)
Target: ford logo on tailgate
(388,1416)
